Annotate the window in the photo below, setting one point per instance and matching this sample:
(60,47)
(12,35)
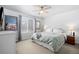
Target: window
(24,22)
(27,24)
(30,25)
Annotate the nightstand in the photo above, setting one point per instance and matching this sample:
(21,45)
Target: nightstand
(70,39)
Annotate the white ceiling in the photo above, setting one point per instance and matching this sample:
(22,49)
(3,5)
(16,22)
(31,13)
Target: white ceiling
(31,9)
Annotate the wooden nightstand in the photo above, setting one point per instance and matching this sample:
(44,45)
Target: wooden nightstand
(70,39)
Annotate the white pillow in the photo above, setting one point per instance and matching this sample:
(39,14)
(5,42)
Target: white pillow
(46,33)
(57,31)
(48,30)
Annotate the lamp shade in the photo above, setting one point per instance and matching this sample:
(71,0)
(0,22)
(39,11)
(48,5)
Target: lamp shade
(71,27)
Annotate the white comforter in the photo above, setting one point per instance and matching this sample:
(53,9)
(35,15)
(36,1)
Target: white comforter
(52,39)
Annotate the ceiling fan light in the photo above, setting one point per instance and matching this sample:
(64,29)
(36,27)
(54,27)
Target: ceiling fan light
(41,12)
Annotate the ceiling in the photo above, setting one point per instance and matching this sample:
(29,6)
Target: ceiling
(31,9)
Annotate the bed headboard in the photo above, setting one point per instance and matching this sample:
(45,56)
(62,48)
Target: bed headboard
(59,30)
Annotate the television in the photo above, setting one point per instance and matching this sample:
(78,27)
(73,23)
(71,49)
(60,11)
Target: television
(1,11)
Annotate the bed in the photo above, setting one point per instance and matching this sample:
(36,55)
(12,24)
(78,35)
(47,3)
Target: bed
(52,41)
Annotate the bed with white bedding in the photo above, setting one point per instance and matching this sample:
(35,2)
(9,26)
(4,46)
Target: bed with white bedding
(50,40)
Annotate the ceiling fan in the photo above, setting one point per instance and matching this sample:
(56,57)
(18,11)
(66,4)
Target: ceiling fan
(43,9)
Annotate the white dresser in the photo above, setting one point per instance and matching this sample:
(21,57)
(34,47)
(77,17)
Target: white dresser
(7,42)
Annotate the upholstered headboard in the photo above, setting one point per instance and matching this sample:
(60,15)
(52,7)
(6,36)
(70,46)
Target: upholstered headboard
(59,30)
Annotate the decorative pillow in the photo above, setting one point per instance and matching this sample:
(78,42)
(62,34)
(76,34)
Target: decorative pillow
(34,36)
(44,39)
(38,35)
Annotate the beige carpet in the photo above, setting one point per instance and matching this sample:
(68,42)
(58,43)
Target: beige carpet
(28,47)
(69,49)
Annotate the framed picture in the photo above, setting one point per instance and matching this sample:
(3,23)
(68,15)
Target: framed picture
(10,22)
(37,24)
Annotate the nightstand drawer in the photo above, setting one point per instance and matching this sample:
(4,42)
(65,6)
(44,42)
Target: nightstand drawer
(70,40)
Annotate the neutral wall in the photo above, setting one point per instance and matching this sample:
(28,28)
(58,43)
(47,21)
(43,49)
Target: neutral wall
(63,19)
